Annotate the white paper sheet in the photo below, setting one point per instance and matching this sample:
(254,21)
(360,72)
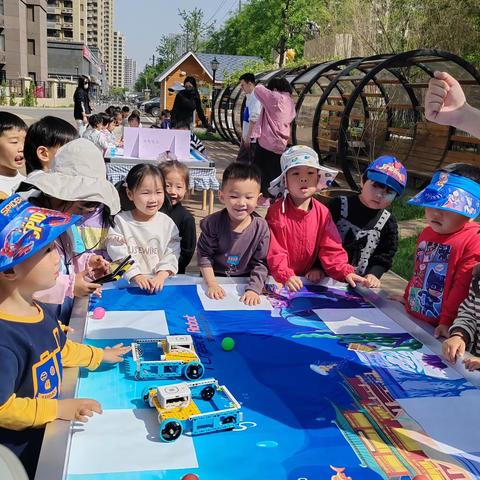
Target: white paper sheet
(130,324)
(231,301)
(451,421)
(126,441)
(357,320)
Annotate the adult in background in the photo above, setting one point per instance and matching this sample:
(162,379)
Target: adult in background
(272,130)
(186,102)
(251,112)
(81,104)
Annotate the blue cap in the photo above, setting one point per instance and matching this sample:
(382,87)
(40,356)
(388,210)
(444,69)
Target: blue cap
(451,192)
(26,229)
(388,171)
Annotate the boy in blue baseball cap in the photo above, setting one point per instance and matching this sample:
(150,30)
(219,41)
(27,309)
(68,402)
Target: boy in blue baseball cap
(448,248)
(369,232)
(33,346)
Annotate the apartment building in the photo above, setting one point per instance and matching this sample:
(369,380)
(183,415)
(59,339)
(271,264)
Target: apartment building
(23,39)
(118,70)
(130,73)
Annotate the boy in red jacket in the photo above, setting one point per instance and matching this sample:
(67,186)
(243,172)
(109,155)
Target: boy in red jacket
(301,228)
(448,248)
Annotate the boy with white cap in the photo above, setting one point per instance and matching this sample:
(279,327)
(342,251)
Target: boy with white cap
(448,248)
(33,346)
(301,228)
(369,232)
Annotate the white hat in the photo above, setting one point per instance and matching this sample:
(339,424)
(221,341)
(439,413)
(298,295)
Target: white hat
(78,174)
(301,156)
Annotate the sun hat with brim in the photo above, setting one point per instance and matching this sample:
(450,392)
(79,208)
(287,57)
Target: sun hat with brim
(78,174)
(301,156)
(388,171)
(452,193)
(26,229)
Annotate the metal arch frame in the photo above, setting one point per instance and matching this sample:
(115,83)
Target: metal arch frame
(237,135)
(216,105)
(385,65)
(223,133)
(309,85)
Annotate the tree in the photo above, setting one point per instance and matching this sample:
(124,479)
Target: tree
(167,50)
(194,28)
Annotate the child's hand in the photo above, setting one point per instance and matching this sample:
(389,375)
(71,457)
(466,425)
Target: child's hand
(83,288)
(250,298)
(293,284)
(441,331)
(98,266)
(352,279)
(314,275)
(115,354)
(156,283)
(453,347)
(444,99)
(472,363)
(141,281)
(373,281)
(215,292)
(78,409)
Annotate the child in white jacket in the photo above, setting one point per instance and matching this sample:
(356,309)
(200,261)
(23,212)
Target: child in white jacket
(149,236)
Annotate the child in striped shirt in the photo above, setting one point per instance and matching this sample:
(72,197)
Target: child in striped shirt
(465,331)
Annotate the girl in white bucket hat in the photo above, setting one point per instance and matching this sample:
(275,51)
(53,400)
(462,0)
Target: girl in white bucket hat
(76,184)
(301,228)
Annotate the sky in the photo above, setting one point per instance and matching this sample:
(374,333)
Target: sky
(143,22)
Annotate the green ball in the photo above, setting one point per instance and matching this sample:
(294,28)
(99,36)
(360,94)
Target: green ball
(228,343)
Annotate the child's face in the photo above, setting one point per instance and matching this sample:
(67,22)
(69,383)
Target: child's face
(302,182)
(111,126)
(11,151)
(376,195)
(444,222)
(176,187)
(46,155)
(240,198)
(38,272)
(133,123)
(148,197)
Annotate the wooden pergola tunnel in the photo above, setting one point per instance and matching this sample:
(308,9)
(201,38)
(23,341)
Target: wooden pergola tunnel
(351,111)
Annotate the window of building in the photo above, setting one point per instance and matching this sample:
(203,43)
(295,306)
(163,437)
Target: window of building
(33,76)
(2,41)
(30,13)
(81,22)
(82,37)
(31,46)
(2,9)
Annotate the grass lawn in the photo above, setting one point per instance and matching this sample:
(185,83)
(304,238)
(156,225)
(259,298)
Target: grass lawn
(401,211)
(403,261)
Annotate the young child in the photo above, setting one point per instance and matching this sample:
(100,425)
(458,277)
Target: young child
(165,121)
(94,132)
(301,228)
(110,123)
(33,346)
(125,114)
(464,334)
(76,184)
(12,138)
(234,241)
(150,236)
(43,140)
(448,248)
(369,232)
(176,178)
(134,120)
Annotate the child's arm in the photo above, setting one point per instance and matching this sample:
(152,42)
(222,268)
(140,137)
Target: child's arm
(259,272)
(277,256)
(445,103)
(207,245)
(333,257)
(381,259)
(80,355)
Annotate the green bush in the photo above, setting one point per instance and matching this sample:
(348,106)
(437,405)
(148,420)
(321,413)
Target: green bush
(29,100)
(13,99)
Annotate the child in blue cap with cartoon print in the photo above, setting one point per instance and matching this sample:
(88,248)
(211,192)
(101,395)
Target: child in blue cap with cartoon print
(33,346)
(448,248)
(369,232)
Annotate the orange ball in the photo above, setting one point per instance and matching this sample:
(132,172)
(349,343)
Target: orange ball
(190,476)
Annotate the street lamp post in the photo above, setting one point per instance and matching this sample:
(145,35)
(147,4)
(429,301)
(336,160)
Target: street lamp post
(214,65)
